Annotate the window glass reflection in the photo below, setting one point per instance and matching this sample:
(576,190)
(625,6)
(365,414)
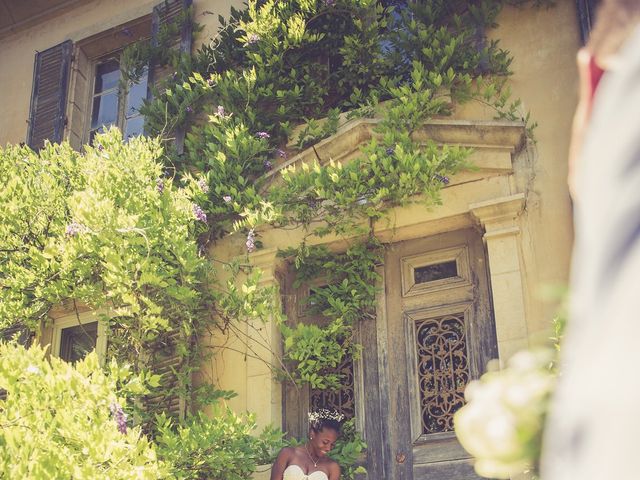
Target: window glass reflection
(134,121)
(113,106)
(134,127)
(107,76)
(105,110)
(136,95)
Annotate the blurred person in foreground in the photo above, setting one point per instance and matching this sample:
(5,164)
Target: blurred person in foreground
(593,428)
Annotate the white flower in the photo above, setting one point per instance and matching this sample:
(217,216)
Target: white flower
(502,421)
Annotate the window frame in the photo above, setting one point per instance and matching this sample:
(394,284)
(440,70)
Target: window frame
(296,400)
(75,319)
(122,97)
(88,53)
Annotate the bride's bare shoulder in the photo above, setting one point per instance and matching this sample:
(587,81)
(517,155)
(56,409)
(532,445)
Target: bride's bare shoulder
(334,470)
(287,452)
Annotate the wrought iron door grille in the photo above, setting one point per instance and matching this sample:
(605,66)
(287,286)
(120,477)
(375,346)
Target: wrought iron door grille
(443,370)
(342,399)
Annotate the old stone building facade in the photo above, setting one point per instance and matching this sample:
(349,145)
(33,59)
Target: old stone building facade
(476,265)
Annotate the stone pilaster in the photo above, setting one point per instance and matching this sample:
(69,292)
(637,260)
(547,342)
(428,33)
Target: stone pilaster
(264,348)
(499,219)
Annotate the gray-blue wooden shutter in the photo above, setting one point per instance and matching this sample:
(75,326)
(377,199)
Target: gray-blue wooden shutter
(22,335)
(17,332)
(49,95)
(586,17)
(164,359)
(165,13)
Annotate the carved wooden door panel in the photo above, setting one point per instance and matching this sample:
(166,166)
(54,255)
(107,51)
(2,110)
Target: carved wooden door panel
(440,334)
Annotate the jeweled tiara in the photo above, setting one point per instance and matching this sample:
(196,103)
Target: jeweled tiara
(325,414)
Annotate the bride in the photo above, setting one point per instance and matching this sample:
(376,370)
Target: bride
(310,461)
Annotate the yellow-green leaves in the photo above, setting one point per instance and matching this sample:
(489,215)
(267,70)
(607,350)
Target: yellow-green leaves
(109,229)
(295,29)
(224,445)
(60,421)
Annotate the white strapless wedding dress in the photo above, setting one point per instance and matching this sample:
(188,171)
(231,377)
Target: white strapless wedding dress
(294,472)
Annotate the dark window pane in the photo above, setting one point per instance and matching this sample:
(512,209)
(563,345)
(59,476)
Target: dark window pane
(92,135)
(76,342)
(105,110)
(437,271)
(137,94)
(107,76)
(318,299)
(134,127)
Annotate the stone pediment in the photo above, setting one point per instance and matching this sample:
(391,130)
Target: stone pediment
(493,142)
(496,147)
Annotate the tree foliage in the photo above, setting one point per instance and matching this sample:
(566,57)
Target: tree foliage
(63,421)
(222,446)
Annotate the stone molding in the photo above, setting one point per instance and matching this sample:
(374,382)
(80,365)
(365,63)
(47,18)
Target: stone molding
(498,215)
(499,218)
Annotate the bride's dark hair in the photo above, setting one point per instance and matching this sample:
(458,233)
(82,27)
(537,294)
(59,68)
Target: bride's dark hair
(325,418)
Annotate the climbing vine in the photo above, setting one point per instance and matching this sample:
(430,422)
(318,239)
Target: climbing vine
(318,64)
(127,228)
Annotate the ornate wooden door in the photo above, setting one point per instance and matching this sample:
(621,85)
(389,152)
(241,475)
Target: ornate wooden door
(439,335)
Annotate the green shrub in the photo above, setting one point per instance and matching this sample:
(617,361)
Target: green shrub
(220,447)
(62,421)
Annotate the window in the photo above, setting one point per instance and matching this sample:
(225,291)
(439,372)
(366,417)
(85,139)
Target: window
(112,106)
(76,85)
(435,270)
(76,335)
(304,304)
(76,342)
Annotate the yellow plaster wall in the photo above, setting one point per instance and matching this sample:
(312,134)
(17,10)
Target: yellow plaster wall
(244,354)
(544,43)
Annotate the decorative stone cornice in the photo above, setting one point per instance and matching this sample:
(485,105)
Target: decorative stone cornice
(495,135)
(268,262)
(497,216)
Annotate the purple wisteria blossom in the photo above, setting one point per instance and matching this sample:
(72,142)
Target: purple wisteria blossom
(227,198)
(203,185)
(199,214)
(268,165)
(390,151)
(442,178)
(160,185)
(281,153)
(120,417)
(263,135)
(253,38)
(74,228)
(251,241)
(188,109)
